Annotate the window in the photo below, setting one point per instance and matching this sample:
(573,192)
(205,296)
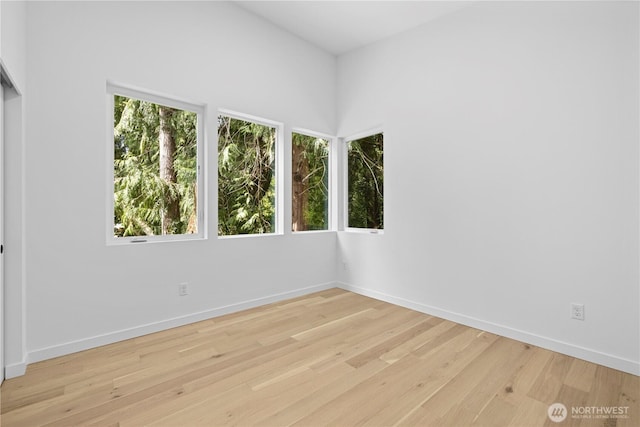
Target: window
(309,182)
(247,175)
(157,181)
(365,182)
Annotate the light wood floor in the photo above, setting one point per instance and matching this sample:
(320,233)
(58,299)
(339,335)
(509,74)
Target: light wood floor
(330,358)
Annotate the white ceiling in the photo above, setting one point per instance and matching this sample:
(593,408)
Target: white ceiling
(340,26)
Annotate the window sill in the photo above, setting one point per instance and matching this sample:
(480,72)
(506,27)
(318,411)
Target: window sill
(371,231)
(145,240)
(248,236)
(308,232)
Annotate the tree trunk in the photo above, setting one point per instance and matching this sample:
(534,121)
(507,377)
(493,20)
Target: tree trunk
(171,212)
(192,227)
(299,188)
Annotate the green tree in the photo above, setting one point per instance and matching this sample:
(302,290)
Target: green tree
(246,177)
(155,169)
(366,182)
(310,190)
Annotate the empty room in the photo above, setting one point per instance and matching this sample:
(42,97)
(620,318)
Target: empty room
(311,213)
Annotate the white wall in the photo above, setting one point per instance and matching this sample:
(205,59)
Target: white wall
(511,168)
(81,292)
(13,41)
(13,27)
(511,163)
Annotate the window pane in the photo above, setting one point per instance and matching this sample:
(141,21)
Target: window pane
(310,183)
(246,177)
(155,169)
(365,182)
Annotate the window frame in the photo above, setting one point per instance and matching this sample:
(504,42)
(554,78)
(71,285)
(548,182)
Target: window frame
(332,199)
(279,172)
(345,181)
(112,89)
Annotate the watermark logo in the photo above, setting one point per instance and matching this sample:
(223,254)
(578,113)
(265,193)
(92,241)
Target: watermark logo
(557,412)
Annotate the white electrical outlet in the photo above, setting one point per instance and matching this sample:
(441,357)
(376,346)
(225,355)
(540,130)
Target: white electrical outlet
(577,311)
(183,289)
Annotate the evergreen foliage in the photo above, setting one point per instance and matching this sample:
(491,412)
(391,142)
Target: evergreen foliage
(246,177)
(366,182)
(310,182)
(141,196)
(155,175)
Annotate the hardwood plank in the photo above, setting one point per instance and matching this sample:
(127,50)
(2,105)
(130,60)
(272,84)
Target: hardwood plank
(580,375)
(630,399)
(319,397)
(531,412)
(460,384)
(401,350)
(440,339)
(571,397)
(329,358)
(442,367)
(516,390)
(551,379)
(488,380)
(363,402)
(80,408)
(498,412)
(394,339)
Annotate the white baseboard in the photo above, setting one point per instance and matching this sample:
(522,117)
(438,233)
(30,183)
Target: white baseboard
(15,369)
(125,334)
(615,362)
(609,360)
